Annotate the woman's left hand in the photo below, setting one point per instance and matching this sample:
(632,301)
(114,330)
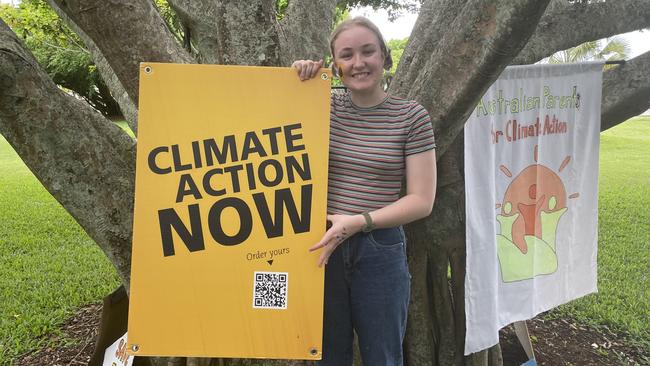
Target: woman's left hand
(343,227)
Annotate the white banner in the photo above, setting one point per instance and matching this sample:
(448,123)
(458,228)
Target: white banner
(531,178)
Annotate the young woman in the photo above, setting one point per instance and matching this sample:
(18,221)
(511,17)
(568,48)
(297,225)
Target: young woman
(376,140)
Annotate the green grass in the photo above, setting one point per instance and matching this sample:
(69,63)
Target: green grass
(623,300)
(49,266)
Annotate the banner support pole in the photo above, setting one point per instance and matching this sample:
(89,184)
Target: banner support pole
(521,330)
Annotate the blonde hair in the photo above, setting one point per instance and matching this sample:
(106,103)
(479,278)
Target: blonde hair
(366,23)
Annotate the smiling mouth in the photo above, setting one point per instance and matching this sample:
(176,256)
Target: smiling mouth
(360,75)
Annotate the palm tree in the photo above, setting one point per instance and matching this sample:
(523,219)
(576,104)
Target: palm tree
(608,49)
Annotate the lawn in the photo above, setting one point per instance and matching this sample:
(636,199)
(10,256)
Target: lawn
(623,300)
(49,267)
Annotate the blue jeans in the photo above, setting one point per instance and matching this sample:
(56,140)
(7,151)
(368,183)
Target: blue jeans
(367,289)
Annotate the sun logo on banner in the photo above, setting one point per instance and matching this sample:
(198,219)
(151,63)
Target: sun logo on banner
(532,206)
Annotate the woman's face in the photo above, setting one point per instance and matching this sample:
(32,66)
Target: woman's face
(358,54)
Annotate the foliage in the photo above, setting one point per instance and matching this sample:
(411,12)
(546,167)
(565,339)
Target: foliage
(395,8)
(281,8)
(609,49)
(172,20)
(340,15)
(396,47)
(59,51)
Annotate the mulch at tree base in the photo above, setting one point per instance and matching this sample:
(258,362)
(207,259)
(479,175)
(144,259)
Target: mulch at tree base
(557,342)
(75,347)
(564,342)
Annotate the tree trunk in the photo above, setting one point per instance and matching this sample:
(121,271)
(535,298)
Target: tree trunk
(230,33)
(91,173)
(457,49)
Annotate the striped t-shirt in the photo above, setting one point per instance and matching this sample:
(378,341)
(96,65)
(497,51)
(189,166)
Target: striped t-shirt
(368,149)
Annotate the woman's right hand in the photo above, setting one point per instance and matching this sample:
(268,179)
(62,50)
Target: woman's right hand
(307,69)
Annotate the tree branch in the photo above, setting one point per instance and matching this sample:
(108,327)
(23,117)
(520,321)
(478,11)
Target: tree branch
(565,27)
(478,44)
(91,173)
(126,33)
(434,19)
(305,29)
(127,105)
(231,32)
(202,33)
(626,91)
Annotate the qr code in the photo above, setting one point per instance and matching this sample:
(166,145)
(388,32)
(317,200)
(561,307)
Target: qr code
(270,290)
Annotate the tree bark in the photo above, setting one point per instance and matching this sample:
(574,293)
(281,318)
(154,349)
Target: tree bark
(83,160)
(434,19)
(626,91)
(304,30)
(199,24)
(564,27)
(231,32)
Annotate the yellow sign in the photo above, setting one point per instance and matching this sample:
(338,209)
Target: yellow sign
(230,193)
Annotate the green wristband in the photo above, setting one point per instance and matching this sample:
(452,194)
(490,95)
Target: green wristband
(369,226)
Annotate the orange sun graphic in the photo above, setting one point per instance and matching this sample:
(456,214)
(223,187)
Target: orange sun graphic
(536,189)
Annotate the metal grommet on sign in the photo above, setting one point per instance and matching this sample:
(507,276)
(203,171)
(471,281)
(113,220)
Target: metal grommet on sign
(135,348)
(148,69)
(313,351)
(324,76)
